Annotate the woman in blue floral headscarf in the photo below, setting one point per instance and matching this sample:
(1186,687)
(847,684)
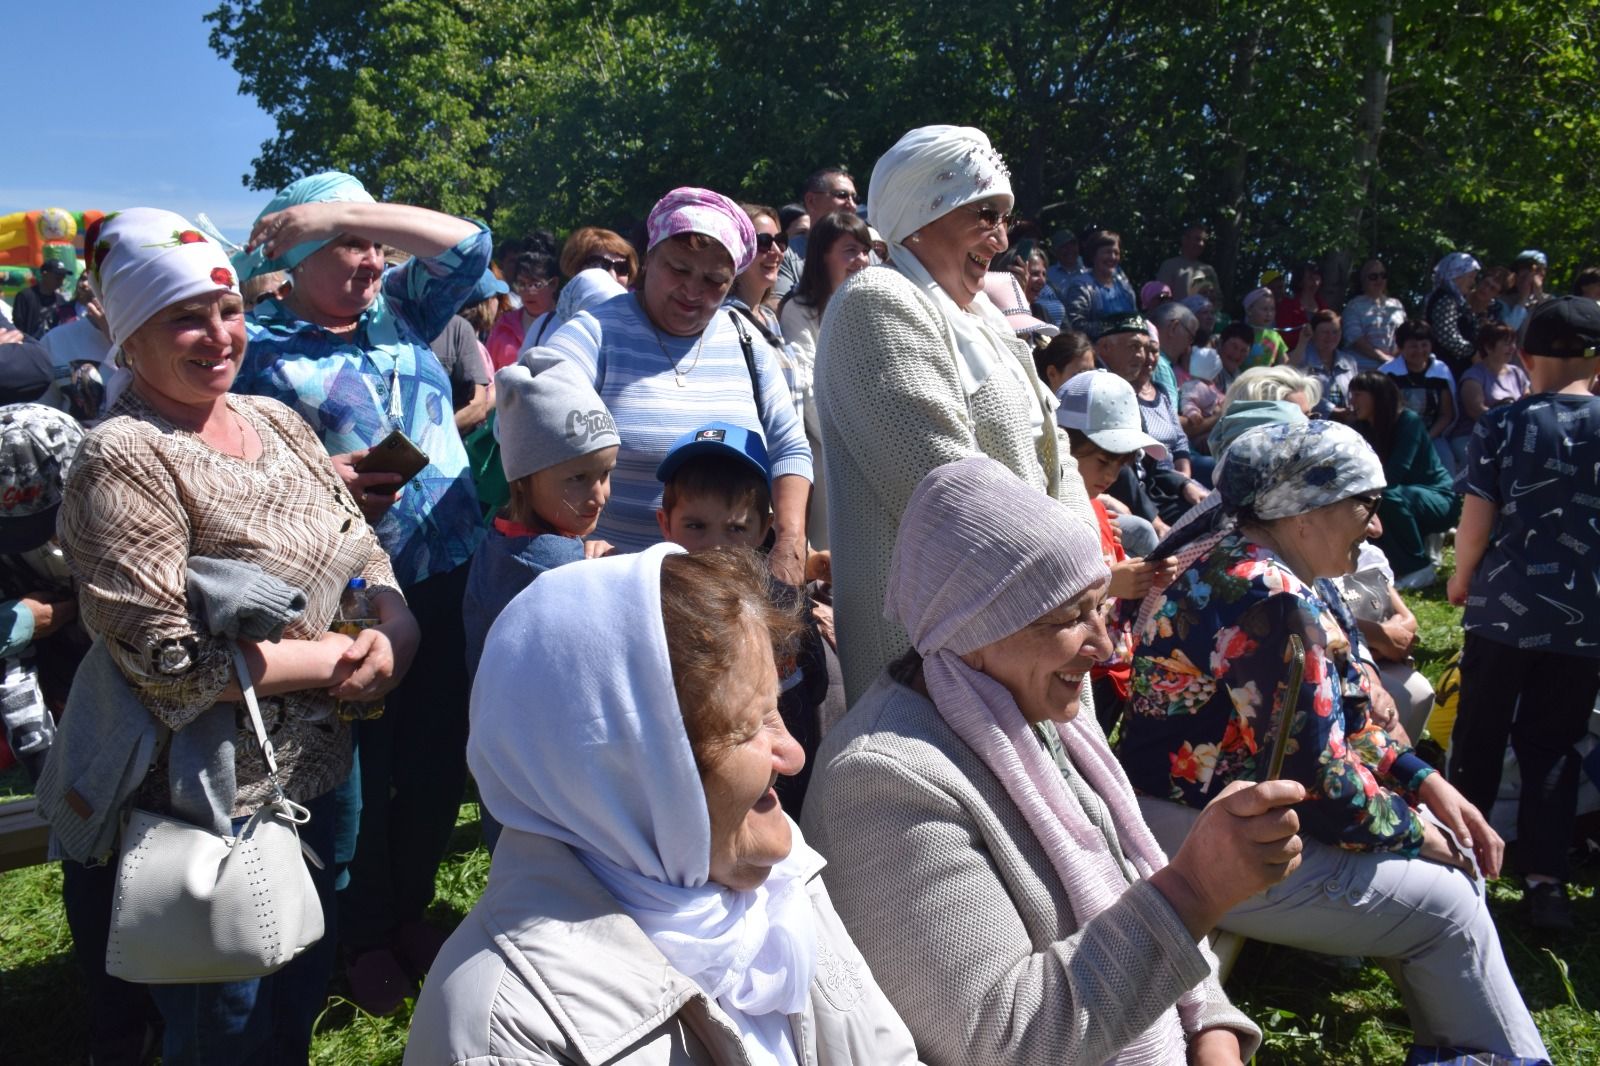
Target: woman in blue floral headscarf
(1380,878)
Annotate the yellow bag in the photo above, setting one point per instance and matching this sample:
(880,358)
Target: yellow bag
(1446,699)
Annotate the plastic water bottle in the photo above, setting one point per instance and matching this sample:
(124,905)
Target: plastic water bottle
(356,614)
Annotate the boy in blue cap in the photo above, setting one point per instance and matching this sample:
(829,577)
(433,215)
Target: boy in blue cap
(717,493)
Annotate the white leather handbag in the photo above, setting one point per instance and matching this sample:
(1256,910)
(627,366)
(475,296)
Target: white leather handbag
(193,907)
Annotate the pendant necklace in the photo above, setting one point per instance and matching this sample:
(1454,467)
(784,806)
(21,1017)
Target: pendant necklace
(679,374)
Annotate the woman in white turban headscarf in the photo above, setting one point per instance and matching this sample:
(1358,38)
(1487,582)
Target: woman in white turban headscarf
(917,368)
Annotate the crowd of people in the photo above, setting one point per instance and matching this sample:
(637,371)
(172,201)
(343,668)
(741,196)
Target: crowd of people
(872,635)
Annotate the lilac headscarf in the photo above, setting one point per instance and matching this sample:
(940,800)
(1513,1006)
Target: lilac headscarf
(691,210)
(979,556)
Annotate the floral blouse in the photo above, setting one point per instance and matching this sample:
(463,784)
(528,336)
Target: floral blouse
(1208,684)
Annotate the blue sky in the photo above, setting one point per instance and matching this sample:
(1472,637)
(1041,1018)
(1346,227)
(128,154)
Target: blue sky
(154,119)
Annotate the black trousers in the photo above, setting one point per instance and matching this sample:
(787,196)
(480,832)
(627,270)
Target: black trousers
(413,773)
(1541,702)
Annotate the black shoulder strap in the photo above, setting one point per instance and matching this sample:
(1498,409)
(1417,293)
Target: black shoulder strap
(750,365)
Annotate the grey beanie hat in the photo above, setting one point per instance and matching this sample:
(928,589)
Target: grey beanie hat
(548,413)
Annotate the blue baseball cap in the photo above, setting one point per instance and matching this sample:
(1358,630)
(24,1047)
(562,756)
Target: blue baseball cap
(487,286)
(717,438)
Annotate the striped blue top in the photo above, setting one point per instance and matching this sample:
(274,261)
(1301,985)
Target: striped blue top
(631,364)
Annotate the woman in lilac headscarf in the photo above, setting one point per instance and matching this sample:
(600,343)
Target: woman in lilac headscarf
(667,360)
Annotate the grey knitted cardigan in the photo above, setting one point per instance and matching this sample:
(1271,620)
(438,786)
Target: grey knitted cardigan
(957,910)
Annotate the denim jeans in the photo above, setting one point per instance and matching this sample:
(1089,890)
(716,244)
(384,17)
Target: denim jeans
(1428,923)
(265,1022)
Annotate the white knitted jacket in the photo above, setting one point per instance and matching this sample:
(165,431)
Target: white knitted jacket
(962,919)
(892,408)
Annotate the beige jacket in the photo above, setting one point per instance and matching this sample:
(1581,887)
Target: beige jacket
(958,910)
(546,969)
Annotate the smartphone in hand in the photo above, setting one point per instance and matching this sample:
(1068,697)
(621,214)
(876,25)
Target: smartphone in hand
(394,454)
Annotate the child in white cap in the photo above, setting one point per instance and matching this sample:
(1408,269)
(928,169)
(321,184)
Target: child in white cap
(1100,413)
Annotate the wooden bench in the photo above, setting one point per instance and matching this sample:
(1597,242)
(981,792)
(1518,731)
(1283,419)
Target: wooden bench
(23,835)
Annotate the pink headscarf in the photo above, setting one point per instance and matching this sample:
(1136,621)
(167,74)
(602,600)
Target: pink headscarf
(979,556)
(1152,293)
(691,210)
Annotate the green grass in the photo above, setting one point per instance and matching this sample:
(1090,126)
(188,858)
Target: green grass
(1315,1011)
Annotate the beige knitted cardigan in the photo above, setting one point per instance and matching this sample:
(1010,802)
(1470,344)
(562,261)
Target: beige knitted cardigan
(892,408)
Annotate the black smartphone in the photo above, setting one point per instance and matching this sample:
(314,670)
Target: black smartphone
(394,454)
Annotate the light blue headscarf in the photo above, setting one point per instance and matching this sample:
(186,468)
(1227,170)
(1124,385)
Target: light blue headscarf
(329,187)
(1453,266)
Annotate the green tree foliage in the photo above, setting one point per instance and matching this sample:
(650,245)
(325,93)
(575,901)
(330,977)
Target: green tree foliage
(1245,113)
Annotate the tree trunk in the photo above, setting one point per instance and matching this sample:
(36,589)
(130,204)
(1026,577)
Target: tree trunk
(1375,99)
(1230,225)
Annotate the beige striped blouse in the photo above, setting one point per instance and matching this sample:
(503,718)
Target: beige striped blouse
(142,497)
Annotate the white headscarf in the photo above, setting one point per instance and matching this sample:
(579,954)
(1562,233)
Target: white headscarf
(147,259)
(928,173)
(588,290)
(582,740)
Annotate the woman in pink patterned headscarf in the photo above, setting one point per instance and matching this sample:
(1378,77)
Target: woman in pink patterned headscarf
(668,359)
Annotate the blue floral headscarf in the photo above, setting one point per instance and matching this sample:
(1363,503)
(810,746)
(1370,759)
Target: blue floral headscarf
(1286,469)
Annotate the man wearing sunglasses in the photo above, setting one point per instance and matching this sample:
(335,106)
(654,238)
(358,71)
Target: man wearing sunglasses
(826,191)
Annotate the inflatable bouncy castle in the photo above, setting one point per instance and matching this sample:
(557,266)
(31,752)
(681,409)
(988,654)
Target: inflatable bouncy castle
(29,238)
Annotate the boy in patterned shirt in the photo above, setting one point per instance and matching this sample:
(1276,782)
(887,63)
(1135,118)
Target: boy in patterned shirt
(1528,574)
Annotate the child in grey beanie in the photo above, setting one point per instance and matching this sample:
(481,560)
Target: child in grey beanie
(558,445)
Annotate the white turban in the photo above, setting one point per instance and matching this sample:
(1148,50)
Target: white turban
(930,172)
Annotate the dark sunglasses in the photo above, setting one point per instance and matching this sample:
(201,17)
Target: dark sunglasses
(617,265)
(1370,503)
(765,241)
(843,195)
(989,217)
(1378,276)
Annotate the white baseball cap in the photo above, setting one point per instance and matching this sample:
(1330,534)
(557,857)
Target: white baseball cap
(1102,406)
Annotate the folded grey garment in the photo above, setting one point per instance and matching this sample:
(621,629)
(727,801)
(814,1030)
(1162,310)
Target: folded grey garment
(107,740)
(240,601)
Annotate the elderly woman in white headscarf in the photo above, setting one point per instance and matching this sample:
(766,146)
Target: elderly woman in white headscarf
(655,906)
(1005,889)
(917,368)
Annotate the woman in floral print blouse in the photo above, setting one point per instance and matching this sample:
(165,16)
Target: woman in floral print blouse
(1380,877)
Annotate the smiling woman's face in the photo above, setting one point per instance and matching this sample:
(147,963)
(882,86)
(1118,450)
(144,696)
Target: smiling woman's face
(684,285)
(956,247)
(749,831)
(1045,665)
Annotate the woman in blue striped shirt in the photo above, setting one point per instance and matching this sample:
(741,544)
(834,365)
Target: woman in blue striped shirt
(667,359)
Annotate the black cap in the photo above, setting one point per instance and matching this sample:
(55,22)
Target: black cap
(55,266)
(1127,323)
(1565,327)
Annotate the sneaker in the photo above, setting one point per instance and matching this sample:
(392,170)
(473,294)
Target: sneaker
(378,983)
(1417,579)
(1548,907)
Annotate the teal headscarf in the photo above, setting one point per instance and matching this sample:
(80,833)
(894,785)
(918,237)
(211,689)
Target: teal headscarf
(329,187)
(1245,415)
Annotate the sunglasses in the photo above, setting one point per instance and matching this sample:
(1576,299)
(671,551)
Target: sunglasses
(765,241)
(1369,503)
(617,266)
(844,196)
(989,217)
(1378,276)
